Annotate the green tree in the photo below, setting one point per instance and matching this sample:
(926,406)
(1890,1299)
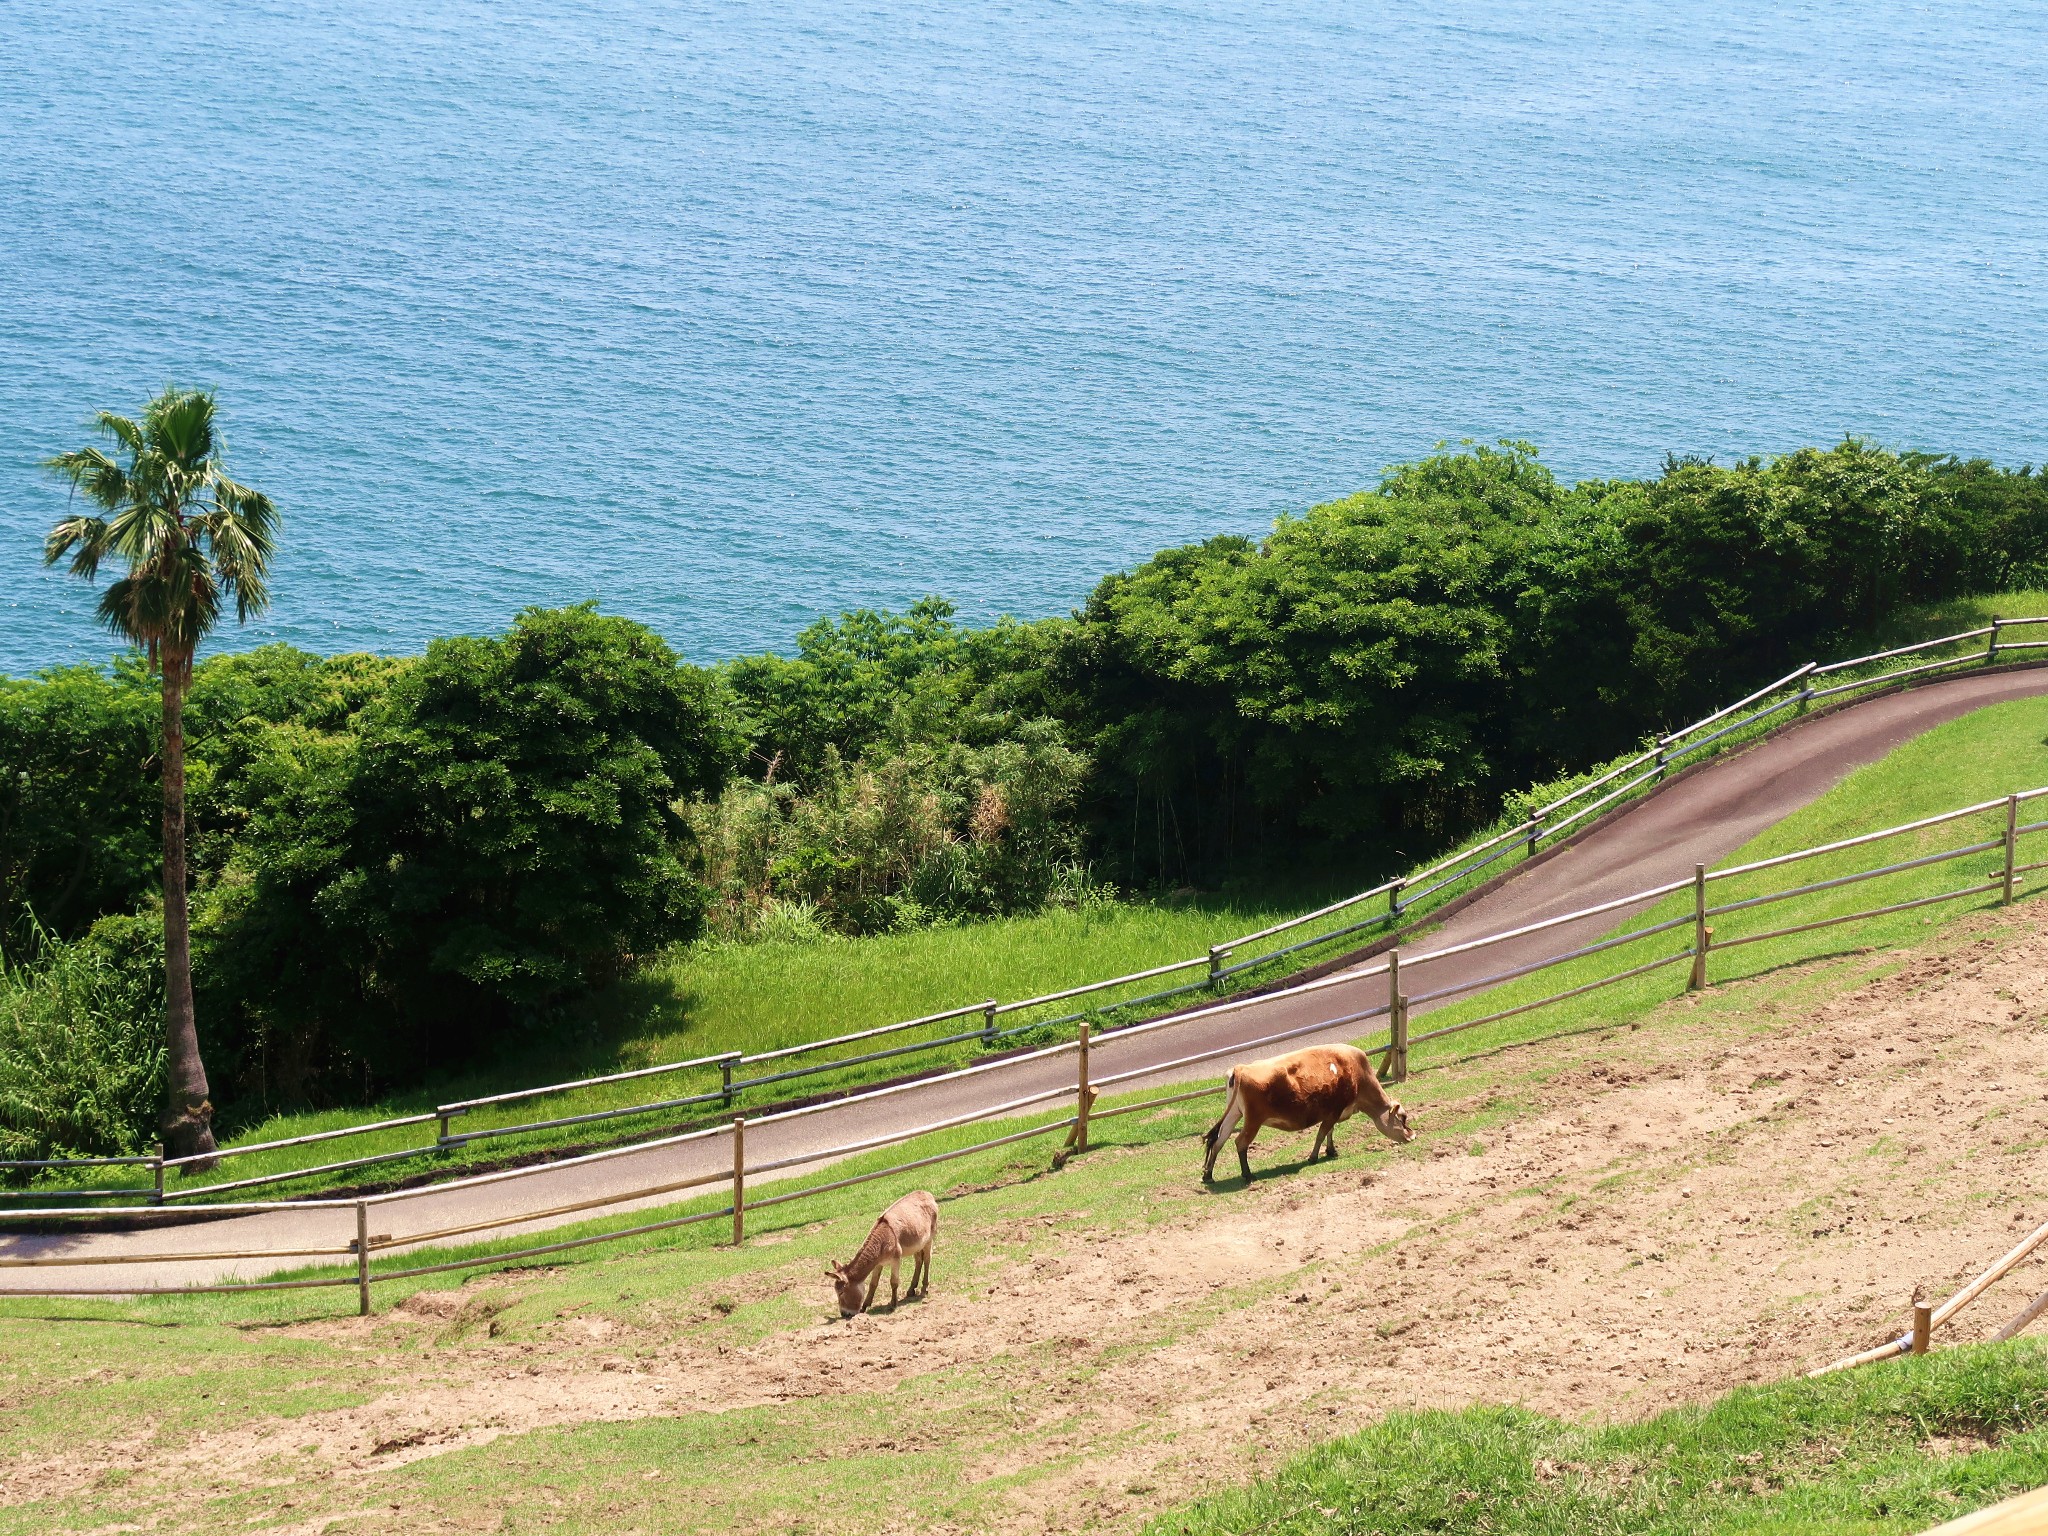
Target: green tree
(191,540)
(492,833)
(77,801)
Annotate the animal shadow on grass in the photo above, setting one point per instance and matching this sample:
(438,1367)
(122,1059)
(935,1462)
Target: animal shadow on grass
(1228,1185)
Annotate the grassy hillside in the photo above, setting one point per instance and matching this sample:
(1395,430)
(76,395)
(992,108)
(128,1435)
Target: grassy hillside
(1989,753)
(281,1411)
(1998,749)
(1894,1450)
(709,998)
(112,1410)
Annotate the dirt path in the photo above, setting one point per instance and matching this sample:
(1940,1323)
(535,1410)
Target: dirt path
(1667,1221)
(1699,819)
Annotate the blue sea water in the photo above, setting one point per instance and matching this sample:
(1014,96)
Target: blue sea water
(726,315)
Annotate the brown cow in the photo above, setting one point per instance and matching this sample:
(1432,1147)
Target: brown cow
(1316,1087)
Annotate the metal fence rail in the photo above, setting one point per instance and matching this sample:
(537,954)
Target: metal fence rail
(1404,894)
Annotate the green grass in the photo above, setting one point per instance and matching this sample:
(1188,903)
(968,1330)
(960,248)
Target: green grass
(1994,750)
(1897,1449)
(705,999)
(130,1372)
(1990,753)
(1852,1454)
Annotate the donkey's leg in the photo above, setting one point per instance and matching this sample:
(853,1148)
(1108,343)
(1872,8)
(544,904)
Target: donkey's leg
(874,1281)
(895,1275)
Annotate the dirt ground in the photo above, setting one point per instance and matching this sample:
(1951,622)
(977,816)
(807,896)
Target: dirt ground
(1667,1222)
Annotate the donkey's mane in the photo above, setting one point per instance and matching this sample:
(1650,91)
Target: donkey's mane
(872,1252)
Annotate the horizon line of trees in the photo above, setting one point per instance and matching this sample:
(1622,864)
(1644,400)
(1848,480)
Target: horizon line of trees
(399,864)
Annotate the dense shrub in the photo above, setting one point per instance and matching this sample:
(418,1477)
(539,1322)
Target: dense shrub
(81,1045)
(898,841)
(871,684)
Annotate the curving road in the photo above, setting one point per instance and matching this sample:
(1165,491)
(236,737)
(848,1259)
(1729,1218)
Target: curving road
(1696,819)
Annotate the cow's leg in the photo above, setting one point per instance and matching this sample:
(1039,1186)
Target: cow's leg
(1246,1132)
(1213,1143)
(1330,1138)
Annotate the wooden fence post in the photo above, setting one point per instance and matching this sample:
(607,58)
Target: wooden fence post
(1215,965)
(1084,1096)
(739,1181)
(1699,929)
(1923,1325)
(362,1258)
(725,1064)
(2012,837)
(1992,650)
(158,1164)
(988,1022)
(1660,762)
(1394,1068)
(1394,898)
(1535,831)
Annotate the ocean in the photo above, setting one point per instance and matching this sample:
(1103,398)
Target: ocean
(729,315)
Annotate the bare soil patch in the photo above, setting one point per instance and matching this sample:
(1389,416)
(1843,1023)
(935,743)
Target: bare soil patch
(1668,1220)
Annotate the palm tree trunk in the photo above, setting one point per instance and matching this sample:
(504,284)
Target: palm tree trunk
(188,1110)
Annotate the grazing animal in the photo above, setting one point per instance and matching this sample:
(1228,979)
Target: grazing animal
(907,1227)
(1316,1087)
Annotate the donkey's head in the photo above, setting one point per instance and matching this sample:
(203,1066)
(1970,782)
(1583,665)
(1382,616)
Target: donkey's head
(1393,1123)
(847,1287)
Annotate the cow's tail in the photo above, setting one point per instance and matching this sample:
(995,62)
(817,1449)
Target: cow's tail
(1233,1108)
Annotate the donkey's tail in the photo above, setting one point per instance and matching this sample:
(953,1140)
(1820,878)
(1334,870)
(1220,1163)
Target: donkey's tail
(1233,1107)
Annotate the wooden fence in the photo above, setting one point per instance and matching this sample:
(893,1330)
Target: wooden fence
(1396,1042)
(1406,897)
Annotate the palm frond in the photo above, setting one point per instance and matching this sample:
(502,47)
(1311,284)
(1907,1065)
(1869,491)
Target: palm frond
(178,424)
(93,473)
(188,534)
(120,429)
(240,534)
(84,539)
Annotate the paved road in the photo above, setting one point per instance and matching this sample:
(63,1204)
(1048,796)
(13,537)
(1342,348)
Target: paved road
(1699,819)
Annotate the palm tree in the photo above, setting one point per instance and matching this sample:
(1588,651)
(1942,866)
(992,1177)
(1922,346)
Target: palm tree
(190,538)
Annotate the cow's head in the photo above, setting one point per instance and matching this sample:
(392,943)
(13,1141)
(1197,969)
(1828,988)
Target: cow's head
(1393,1123)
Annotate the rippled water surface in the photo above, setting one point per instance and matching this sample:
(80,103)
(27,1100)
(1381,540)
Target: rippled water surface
(726,315)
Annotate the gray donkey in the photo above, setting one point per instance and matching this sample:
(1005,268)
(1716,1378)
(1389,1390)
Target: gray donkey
(907,1227)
